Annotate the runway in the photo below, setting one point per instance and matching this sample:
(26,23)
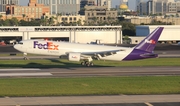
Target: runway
(116,100)
(90,72)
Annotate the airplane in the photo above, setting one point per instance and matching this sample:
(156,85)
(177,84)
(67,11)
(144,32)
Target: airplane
(88,52)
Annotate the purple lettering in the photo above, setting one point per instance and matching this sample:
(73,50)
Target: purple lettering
(35,44)
(47,45)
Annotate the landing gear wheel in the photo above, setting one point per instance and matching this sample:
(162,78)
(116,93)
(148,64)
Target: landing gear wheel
(91,64)
(88,64)
(25,58)
(82,63)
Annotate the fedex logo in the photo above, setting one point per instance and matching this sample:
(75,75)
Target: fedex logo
(150,41)
(74,57)
(47,45)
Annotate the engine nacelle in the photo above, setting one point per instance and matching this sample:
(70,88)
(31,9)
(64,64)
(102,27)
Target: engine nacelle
(74,56)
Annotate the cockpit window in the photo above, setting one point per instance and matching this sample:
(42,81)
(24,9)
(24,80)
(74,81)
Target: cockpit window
(21,43)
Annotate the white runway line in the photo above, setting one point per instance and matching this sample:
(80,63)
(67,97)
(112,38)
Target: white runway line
(24,74)
(21,69)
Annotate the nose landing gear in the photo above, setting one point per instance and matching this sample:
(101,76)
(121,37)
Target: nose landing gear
(25,56)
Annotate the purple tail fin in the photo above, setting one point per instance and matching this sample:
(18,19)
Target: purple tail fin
(148,44)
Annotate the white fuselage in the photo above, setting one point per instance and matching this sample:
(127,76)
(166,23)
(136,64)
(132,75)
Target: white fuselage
(62,48)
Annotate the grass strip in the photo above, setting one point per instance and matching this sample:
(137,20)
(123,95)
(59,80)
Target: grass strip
(58,63)
(17,87)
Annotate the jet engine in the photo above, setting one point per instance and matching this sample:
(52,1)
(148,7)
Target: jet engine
(74,56)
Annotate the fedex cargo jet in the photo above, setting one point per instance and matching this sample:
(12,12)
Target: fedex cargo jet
(88,52)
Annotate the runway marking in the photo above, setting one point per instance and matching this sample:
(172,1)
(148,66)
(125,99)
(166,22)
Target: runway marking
(148,104)
(21,69)
(24,74)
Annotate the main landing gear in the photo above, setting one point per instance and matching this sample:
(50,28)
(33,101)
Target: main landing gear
(87,62)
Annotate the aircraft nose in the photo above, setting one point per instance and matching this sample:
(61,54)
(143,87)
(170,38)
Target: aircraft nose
(16,46)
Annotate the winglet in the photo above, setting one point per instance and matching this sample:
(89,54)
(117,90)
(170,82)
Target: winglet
(148,44)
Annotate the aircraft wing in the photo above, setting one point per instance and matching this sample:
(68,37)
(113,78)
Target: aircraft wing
(98,54)
(102,54)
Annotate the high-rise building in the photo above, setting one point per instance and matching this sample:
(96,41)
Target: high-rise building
(83,3)
(137,4)
(101,2)
(158,7)
(108,3)
(3,4)
(104,3)
(64,7)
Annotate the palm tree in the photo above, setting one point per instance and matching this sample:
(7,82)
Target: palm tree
(79,22)
(24,15)
(1,16)
(85,22)
(14,21)
(1,21)
(51,20)
(46,18)
(177,15)
(109,19)
(57,16)
(94,20)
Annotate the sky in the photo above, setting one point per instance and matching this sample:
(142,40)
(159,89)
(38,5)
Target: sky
(114,3)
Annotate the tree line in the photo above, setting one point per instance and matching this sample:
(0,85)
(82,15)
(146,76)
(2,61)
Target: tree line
(128,28)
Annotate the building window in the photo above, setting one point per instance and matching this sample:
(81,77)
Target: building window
(74,18)
(47,1)
(68,1)
(60,1)
(53,9)
(39,1)
(53,1)
(36,9)
(64,1)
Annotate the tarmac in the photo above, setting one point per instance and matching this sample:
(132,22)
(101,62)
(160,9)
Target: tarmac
(112,100)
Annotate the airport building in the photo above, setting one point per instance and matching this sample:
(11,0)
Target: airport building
(159,7)
(74,34)
(170,33)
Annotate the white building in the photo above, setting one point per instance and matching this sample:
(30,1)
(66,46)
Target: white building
(75,34)
(158,7)
(171,33)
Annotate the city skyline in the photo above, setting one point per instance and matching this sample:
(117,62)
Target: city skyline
(114,3)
